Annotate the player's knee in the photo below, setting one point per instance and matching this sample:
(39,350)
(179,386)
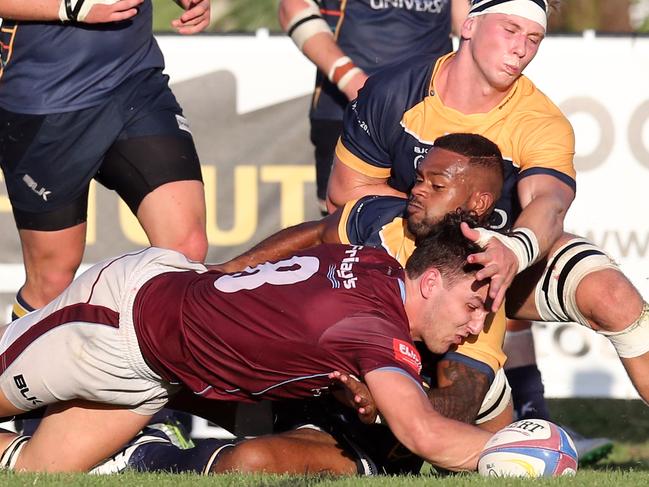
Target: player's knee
(192,243)
(247,457)
(44,285)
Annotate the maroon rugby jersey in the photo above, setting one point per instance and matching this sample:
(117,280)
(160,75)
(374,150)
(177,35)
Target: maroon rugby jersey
(278,330)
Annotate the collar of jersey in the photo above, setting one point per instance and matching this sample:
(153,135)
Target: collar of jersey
(450,113)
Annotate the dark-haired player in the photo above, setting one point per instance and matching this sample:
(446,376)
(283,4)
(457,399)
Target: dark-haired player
(461,172)
(130,331)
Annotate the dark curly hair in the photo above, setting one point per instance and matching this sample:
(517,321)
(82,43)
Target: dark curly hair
(446,248)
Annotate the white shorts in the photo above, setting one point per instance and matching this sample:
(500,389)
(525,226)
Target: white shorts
(83,344)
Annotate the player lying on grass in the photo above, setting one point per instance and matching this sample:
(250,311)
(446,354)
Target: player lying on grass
(462,171)
(130,331)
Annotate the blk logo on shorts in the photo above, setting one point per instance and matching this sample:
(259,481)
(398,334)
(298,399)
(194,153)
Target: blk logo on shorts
(21,384)
(33,185)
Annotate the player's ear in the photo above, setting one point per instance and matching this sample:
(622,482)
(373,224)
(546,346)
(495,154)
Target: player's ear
(430,282)
(466,32)
(481,202)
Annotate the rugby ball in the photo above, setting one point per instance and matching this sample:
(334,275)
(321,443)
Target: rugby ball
(529,448)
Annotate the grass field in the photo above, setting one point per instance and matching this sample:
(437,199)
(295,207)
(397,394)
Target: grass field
(585,478)
(626,422)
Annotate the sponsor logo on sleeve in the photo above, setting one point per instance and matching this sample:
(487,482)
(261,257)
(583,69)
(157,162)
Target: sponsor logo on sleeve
(407,353)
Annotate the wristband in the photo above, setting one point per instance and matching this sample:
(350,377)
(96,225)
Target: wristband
(77,10)
(522,241)
(307,23)
(342,71)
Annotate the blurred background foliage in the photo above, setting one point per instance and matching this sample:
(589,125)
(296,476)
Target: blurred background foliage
(606,16)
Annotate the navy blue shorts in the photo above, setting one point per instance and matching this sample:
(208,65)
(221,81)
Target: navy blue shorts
(134,142)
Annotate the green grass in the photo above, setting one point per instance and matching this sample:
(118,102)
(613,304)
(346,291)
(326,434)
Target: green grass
(585,478)
(628,465)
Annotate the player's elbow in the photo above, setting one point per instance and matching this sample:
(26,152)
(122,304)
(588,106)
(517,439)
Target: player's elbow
(282,16)
(286,10)
(337,193)
(425,443)
(332,204)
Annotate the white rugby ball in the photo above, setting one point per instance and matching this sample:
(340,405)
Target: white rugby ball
(529,448)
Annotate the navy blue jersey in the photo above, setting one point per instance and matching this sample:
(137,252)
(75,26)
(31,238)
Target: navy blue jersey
(51,67)
(377,33)
(397,116)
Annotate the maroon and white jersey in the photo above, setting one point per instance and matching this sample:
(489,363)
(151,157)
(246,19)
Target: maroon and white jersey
(276,331)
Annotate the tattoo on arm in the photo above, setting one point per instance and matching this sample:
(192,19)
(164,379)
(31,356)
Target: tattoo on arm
(460,392)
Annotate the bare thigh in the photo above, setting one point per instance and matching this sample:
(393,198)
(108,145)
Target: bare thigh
(75,436)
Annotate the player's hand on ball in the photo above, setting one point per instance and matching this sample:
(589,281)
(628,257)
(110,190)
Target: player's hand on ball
(353,393)
(196,17)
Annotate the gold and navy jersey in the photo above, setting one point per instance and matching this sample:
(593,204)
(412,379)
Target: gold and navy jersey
(397,117)
(377,33)
(380,221)
(54,67)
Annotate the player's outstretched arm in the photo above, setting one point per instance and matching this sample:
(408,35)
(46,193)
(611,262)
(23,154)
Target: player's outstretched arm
(409,414)
(301,20)
(545,201)
(86,11)
(285,242)
(195,18)
(346,184)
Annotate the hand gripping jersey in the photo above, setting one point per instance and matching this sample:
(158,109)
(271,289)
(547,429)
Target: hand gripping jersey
(276,331)
(381,221)
(398,115)
(377,33)
(52,67)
